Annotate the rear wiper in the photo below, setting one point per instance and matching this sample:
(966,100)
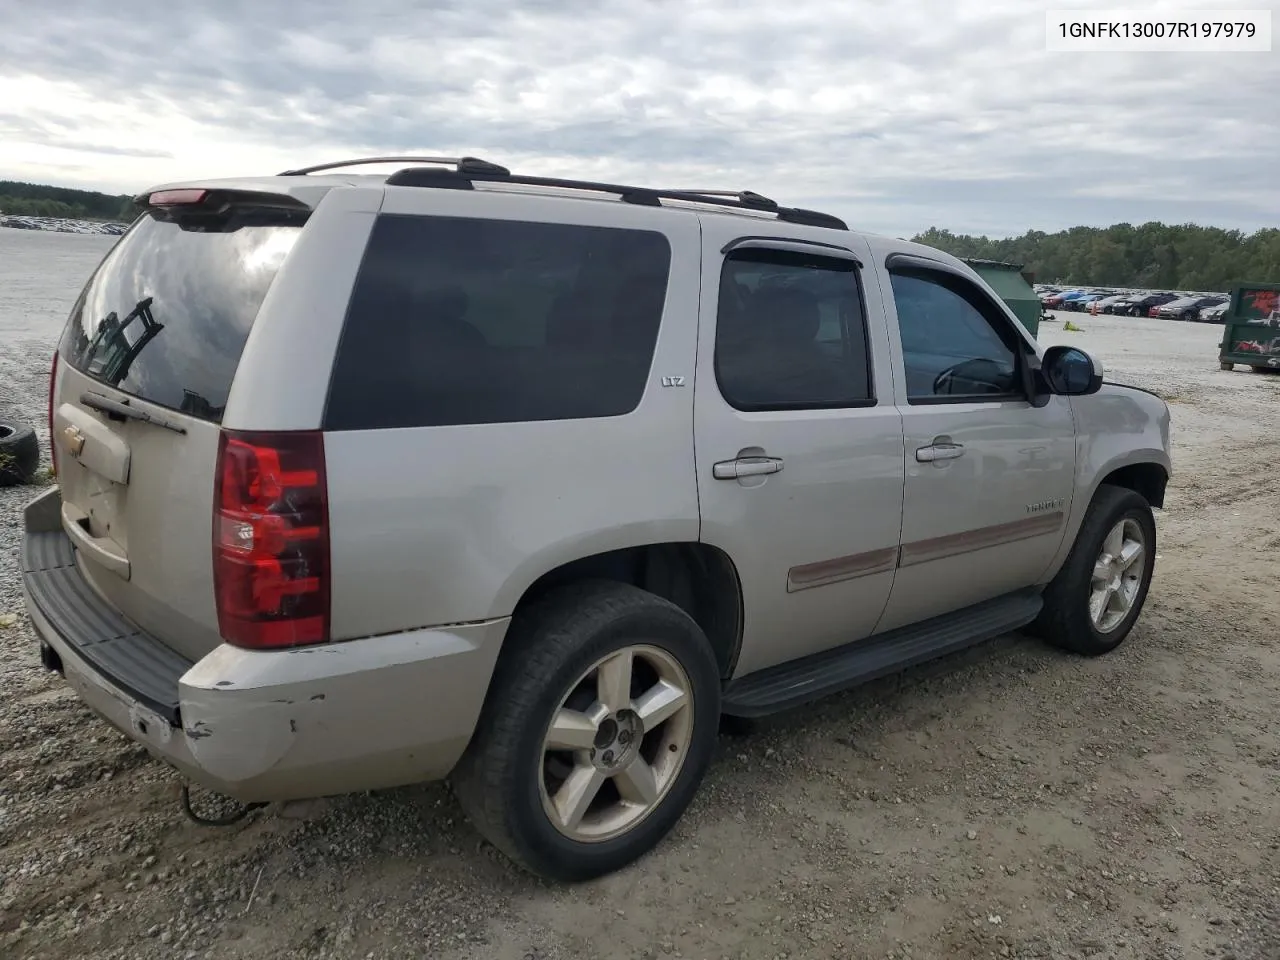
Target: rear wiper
(120,409)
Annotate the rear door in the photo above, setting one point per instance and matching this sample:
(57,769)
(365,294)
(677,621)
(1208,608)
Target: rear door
(798,444)
(144,369)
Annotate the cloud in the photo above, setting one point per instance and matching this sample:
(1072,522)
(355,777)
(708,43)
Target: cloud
(894,116)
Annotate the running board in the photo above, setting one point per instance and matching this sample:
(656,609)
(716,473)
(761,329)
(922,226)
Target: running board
(791,684)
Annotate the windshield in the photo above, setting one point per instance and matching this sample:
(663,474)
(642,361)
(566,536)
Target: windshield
(166,314)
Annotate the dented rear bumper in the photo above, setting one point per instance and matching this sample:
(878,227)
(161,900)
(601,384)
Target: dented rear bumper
(264,725)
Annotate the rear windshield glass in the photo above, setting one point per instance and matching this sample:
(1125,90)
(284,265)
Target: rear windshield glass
(167,312)
(457,320)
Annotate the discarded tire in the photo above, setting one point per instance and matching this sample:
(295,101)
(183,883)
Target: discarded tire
(19,454)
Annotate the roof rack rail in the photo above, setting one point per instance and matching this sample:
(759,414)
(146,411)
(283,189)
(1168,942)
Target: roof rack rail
(463,177)
(461,164)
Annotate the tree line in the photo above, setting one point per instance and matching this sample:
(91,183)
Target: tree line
(37,200)
(1150,256)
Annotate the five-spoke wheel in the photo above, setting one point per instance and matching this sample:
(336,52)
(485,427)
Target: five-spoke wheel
(598,728)
(617,743)
(1094,601)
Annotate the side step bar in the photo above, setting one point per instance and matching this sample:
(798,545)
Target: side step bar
(791,684)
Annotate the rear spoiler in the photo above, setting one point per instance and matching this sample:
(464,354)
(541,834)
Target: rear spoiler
(219,207)
(215,199)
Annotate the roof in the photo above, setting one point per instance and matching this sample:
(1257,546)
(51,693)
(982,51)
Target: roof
(469,173)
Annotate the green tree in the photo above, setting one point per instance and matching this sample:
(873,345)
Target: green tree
(1181,256)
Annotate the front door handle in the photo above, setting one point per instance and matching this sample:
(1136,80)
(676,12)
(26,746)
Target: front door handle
(939,451)
(745,467)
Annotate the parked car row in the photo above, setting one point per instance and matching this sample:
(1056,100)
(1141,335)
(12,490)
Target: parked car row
(1199,308)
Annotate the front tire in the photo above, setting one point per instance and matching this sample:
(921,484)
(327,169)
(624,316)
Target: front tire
(1097,596)
(597,730)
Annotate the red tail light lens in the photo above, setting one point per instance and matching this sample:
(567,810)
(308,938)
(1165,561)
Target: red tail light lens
(53,446)
(271,539)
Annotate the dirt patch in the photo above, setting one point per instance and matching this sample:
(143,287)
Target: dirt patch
(1008,802)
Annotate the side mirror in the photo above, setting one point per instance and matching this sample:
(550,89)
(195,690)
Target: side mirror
(1070,371)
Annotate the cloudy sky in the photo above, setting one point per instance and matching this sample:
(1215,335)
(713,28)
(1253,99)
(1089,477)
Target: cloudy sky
(896,114)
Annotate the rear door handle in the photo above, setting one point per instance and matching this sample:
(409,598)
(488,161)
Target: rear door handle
(746,467)
(939,451)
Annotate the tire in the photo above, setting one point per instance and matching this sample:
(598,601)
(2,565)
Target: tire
(1066,620)
(1223,365)
(19,454)
(507,778)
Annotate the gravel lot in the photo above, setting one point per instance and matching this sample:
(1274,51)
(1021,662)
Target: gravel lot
(1010,802)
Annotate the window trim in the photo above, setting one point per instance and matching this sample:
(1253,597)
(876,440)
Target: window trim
(849,263)
(1023,352)
(790,245)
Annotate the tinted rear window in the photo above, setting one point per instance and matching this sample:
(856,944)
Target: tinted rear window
(457,320)
(166,314)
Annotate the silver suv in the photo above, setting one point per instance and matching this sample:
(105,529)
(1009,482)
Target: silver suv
(524,482)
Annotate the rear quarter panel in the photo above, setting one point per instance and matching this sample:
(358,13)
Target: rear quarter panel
(451,524)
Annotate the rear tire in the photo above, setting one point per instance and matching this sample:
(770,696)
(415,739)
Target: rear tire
(19,454)
(521,777)
(1097,596)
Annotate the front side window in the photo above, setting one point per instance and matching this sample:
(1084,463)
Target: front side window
(954,342)
(790,332)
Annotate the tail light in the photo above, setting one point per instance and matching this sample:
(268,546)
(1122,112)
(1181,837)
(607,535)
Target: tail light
(53,445)
(271,539)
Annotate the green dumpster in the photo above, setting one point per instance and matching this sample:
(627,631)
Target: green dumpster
(1013,285)
(1251,328)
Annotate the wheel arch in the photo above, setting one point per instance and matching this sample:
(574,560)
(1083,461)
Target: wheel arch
(700,579)
(1145,472)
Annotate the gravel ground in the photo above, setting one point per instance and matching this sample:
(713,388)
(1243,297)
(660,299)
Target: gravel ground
(1009,802)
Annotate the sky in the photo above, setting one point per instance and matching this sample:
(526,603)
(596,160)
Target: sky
(896,116)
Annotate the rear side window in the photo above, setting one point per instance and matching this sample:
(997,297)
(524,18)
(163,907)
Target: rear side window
(166,314)
(457,320)
(790,332)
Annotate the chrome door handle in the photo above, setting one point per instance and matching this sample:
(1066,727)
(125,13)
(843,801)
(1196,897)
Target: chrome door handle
(746,467)
(939,451)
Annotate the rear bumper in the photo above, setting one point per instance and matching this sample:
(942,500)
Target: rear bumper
(263,725)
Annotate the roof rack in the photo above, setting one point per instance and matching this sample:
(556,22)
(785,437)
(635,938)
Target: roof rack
(467,170)
(464,178)
(461,164)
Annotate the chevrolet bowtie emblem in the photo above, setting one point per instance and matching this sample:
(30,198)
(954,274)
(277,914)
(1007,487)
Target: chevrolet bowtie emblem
(74,439)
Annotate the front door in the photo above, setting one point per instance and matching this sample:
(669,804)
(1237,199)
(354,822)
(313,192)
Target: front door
(798,443)
(989,476)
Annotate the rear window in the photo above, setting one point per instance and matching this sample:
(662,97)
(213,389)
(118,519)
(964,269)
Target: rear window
(458,321)
(166,314)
